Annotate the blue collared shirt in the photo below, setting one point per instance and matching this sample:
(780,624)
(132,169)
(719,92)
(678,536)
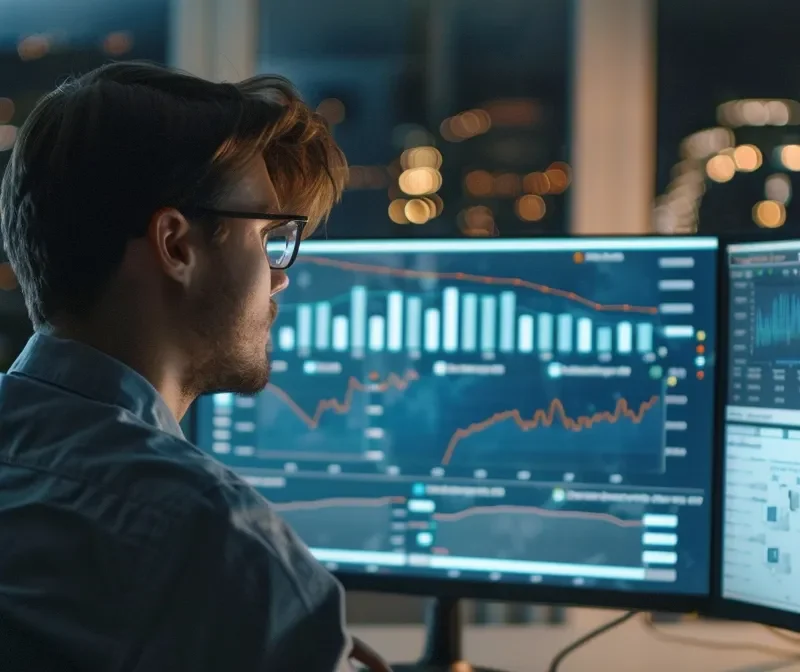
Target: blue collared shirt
(124,547)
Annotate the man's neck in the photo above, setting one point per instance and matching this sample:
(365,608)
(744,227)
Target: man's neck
(143,350)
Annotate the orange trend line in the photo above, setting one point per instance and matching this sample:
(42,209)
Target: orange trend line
(337,501)
(547,417)
(535,510)
(483,279)
(340,407)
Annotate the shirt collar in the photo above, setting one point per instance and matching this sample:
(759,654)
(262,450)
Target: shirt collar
(90,373)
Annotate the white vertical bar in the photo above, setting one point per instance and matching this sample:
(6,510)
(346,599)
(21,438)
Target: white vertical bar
(488,323)
(341,330)
(304,327)
(394,321)
(358,318)
(565,332)
(644,337)
(624,338)
(450,315)
(469,327)
(545,332)
(286,338)
(377,333)
(414,324)
(322,326)
(604,340)
(584,335)
(432,329)
(508,309)
(613,107)
(525,333)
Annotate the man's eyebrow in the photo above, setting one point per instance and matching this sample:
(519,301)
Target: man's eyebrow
(261,207)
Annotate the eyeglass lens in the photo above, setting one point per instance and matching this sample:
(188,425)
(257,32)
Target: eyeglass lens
(280,244)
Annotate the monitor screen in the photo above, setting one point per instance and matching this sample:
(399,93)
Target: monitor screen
(761,471)
(519,411)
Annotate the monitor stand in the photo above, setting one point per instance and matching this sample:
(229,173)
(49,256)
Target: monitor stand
(442,641)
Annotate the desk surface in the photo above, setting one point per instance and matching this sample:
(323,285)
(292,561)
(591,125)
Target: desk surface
(629,648)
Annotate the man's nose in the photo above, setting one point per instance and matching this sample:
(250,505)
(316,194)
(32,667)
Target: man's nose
(280,281)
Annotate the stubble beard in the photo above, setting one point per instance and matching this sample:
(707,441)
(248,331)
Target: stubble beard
(226,359)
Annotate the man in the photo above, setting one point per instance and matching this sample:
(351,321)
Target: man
(150,217)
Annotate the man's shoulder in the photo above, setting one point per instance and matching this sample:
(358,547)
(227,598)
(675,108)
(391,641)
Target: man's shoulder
(106,459)
(251,534)
(106,448)
(150,509)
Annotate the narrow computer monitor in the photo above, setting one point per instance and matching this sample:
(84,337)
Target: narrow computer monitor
(507,419)
(759,549)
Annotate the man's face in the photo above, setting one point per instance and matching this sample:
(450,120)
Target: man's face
(232,306)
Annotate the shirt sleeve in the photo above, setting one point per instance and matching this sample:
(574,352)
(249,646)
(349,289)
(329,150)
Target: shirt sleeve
(245,596)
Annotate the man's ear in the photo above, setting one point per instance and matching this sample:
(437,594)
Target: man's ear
(173,241)
(8,280)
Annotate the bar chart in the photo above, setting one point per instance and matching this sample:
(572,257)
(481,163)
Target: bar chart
(456,322)
(481,357)
(468,405)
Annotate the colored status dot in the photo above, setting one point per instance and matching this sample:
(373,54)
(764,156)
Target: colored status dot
(701,335)
(701,349)
(701,375)
(700,361)
(672,381)
(374,375)
(578,257)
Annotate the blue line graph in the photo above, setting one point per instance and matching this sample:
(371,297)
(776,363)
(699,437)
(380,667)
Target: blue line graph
(777,322)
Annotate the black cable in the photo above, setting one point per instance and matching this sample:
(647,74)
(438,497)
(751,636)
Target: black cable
(774,651)
(658,633)
(588,637)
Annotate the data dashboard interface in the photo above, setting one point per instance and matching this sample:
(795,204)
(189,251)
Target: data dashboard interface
(761,523)
(529,411)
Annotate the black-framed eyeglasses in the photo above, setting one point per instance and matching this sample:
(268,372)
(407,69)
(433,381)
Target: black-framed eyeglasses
(281,242)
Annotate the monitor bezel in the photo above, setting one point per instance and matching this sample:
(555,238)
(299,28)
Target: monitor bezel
(725,607)
(442,587)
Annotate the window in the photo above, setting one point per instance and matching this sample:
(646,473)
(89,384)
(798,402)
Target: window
(728,82)
(451,113)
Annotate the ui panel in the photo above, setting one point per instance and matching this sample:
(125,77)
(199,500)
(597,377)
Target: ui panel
(761,524)
(535,411)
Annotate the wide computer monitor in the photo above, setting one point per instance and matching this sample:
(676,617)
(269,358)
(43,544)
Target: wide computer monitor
(508,419)
(759,549)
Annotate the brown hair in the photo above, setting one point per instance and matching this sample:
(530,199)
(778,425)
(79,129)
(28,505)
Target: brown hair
(103,152)
(304,162)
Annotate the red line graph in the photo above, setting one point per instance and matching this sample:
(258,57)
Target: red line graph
(535,510)
(337,502)
(546,417)
(541,417)
(345,405)
(481,279)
